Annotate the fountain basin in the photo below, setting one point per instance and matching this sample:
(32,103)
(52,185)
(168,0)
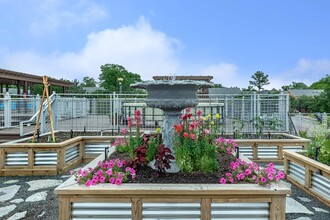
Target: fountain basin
(172,95)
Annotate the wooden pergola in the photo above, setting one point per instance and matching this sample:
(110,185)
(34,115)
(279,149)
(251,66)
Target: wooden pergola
(25,80)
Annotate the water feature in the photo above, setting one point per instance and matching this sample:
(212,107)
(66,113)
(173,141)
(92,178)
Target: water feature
(172,96)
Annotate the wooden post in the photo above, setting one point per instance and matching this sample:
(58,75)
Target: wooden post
(206,209)
(64,208)
(45,93)
(2,158)
(255,151)
(280,151)
(308,177)
(60,159)
(277,208)
(136,209)
(30,158)
(286,164)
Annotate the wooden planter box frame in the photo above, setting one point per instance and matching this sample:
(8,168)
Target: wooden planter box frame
(137,194)
(59,148)
(311,166)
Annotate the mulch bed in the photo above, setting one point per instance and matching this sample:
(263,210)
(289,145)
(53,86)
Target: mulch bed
(146,174)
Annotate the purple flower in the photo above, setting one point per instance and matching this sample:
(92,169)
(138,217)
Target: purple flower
(109,172)
(88,183)
(112,180)
(118,181)
(102,179)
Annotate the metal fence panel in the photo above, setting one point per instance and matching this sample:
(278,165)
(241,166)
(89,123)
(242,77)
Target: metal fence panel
(240,211)
(99,211)
(171,211)
(297,172)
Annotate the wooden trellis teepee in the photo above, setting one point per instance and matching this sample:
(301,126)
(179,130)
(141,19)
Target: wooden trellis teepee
(45,93)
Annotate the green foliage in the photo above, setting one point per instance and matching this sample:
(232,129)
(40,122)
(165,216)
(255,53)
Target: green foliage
(323,83)
(260,79)
(110,74)
(295,85)
(152,148)
(238,126)
(259,123)
(321,140)
(88,82)
(275,123)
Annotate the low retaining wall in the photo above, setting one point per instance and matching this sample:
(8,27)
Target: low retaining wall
(170,201)
(310,175)
(270,149)
(50,158)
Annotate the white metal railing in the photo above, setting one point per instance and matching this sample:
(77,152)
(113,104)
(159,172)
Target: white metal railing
(96,112)
(33,119)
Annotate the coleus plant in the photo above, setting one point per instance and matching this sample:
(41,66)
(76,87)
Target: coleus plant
(163,159)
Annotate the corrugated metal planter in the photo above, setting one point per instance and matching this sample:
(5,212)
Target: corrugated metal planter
(18,158)
(310,175)
(170,201)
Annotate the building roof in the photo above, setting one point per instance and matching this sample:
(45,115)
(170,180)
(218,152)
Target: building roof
(198,78)
(224,91)
(10,77)
(306,92)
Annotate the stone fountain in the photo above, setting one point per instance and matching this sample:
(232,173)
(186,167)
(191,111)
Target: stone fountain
(172,96)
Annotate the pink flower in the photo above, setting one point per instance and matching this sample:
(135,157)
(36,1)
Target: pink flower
(207,131)
(94,182)
(229,175)
(88,183)
(192,136)
(124,131)
(109,172)
(199,112)
(118,181)
(84,173)
(102,179)
(281,174)
(119,164)
(96,178)
(223,181)
(263,179)
(247,172)
(90,168)
(188,110)
(112,180)
(100,172)
(71,172)
(231,180)
(270,176)
(185,135)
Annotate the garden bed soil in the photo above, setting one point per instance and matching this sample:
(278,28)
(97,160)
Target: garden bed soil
(146,174)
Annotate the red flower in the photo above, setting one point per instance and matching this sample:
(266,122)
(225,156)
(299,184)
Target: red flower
(199,112)
(185,135)
(189,115)
(178,128)
(137,112)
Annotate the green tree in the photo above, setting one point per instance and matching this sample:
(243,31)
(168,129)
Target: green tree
(110,74)
(88,82)
(295,85)
(260,80)
(323,83)
(75,87)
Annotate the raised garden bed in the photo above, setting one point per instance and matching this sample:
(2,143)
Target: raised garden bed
(50,158)
(310,175)
(170,201)
(22,158)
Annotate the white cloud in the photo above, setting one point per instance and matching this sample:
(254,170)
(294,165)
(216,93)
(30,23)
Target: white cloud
(224,73)
(50,15)
(138,48)
(306,71)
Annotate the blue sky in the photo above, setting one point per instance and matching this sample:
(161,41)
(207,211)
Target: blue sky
(230,40)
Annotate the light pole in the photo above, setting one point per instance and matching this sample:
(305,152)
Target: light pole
(120,80)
